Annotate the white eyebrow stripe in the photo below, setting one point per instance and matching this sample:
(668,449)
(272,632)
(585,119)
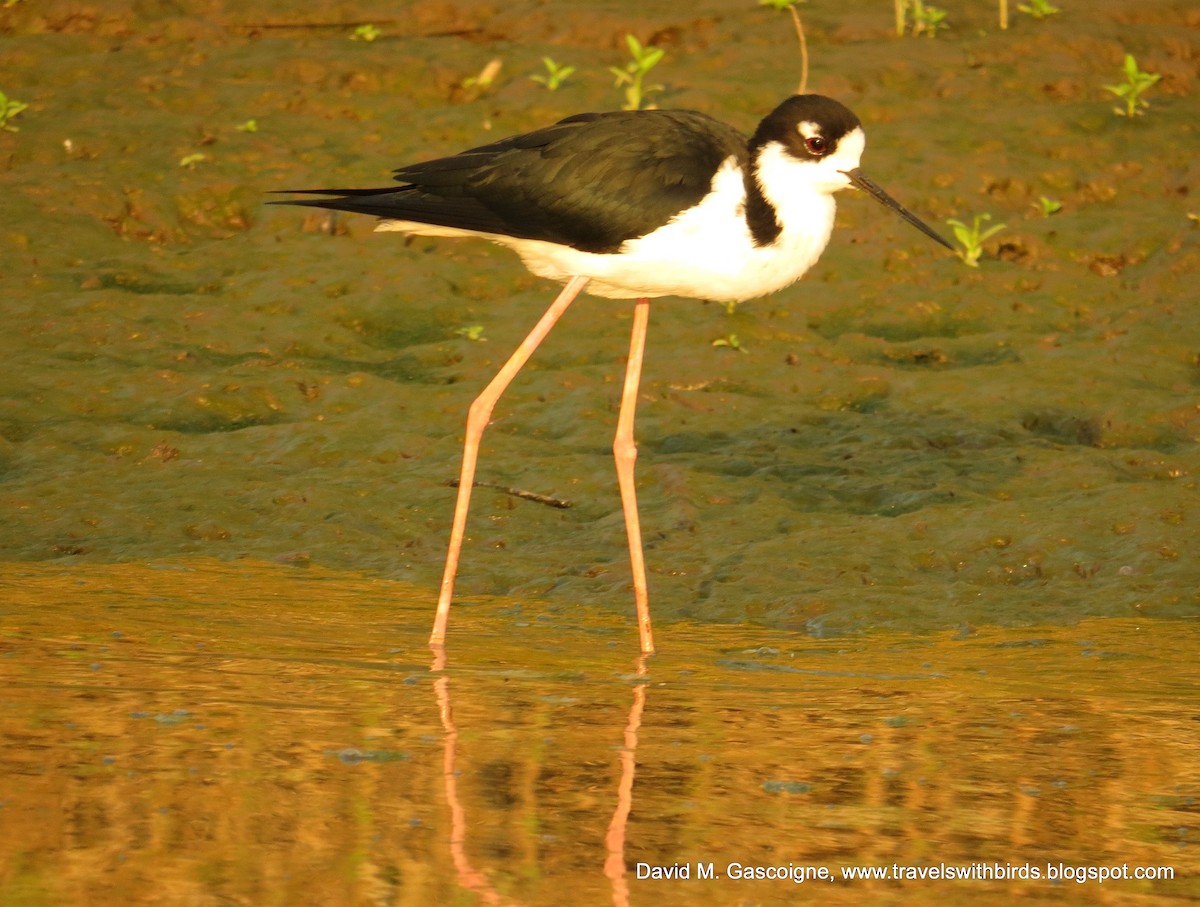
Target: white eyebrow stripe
(808,129)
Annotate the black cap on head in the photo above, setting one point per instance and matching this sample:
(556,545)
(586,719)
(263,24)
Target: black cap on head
(830,120)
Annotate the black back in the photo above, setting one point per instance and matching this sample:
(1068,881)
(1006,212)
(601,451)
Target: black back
(591,181)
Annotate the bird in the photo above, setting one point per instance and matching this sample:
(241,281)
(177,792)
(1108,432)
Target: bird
(631,205)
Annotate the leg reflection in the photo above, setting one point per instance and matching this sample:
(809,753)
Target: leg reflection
(468,876)
(476,881)
(614,841)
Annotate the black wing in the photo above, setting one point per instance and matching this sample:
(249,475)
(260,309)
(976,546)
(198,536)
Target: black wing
(591,181)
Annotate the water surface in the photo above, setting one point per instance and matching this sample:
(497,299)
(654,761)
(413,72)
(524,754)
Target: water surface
(213,733)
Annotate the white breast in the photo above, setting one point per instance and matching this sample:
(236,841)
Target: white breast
(705,252)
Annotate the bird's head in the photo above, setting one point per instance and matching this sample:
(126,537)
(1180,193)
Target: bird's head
(818,142)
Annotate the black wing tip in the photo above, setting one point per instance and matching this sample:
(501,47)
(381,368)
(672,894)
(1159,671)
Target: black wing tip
(341,192)
(306,202)
(356,201)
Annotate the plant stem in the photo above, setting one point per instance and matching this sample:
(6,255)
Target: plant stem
(803,51)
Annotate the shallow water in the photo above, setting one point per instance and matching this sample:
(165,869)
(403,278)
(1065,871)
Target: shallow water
(923,555)
(905,442)
(222,733)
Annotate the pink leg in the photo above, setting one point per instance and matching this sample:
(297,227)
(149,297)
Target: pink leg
(625,453)
(477,420)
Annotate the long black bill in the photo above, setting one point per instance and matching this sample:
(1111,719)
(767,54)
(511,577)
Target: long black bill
(860,181)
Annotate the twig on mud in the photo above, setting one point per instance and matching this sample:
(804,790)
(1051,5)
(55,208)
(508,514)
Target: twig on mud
(560,503)
(342,26)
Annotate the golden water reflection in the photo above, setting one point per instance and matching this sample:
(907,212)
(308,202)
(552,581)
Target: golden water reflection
(203,733)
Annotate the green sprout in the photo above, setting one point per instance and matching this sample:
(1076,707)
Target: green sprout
(471,332)
(731,342)
(366,33)
(634,73)
(1039,9)
(555,74)
(928,19)
(971,238)
(925,17)
(191,160)
(9,108)
(1130,92)
(1048,206)
(248,126)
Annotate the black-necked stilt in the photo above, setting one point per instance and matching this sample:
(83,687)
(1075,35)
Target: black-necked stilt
(632,205)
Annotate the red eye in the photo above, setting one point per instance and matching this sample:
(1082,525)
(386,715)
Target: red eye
(815,145)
